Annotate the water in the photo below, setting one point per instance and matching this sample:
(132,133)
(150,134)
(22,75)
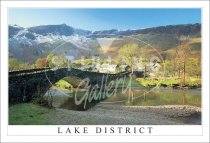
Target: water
(161,96)
(138,97)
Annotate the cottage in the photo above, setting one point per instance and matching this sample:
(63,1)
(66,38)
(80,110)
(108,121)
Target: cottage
(107,68)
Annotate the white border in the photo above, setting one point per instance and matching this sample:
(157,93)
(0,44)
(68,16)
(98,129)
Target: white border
(175,133)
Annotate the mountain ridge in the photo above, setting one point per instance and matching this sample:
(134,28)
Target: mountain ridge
(66,30)
(28,44)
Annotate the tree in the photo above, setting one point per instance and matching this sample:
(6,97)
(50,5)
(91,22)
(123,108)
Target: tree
(144,58)
(128,53)
(137,57)
(15,64)
(59,61)
(41,63)
(193,67)
(183,52)
(49,59)
(169,68)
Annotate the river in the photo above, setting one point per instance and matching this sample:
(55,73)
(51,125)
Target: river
(138,97)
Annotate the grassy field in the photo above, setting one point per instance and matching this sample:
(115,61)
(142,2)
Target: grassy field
(29,114)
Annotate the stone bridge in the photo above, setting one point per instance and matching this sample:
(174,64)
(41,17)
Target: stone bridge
(26,84)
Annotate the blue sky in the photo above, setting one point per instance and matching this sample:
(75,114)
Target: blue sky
(101,19)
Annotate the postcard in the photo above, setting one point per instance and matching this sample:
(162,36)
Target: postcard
(95,71)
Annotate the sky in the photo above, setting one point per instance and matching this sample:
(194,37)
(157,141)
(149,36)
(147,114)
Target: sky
(104,19)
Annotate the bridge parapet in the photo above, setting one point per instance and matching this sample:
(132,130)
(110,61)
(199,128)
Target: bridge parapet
(16,72)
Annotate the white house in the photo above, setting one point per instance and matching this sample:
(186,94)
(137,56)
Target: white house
(107,68)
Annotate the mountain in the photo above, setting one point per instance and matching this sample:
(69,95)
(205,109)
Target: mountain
(13,30)
(62,29)
(53,29)
(183,29)
(28,44)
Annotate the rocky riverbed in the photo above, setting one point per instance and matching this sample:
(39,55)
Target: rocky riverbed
(113,114)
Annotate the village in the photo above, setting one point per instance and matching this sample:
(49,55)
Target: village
(107,66)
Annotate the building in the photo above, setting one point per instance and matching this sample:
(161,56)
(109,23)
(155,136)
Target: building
(106,68)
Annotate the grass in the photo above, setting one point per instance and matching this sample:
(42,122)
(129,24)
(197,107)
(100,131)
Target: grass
(29,114)
(63,84)
(194,82)
(195,40)
(32,114)
(169,82)
(123,82)
(147,82)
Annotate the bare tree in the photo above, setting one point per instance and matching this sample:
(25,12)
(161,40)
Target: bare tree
(183,52)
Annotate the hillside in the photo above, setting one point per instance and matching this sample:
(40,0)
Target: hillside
(29,44)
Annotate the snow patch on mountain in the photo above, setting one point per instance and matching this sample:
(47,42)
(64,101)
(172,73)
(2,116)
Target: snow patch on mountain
(23,42)
(26,37)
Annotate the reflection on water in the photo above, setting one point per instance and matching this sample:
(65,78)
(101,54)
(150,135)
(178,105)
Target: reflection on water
(162,96)
(62,98)
(138,97)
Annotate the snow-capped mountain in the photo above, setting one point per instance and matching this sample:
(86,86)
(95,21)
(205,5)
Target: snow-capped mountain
(28,44)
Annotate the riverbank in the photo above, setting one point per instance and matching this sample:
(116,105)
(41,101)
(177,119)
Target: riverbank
(190,83)
(149,82)
(107,114)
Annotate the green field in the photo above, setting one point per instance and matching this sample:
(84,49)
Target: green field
(29,114)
